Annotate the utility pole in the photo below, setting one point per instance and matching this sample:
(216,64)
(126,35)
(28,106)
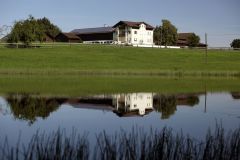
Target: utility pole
(205,104)
(206,49)
(160,37)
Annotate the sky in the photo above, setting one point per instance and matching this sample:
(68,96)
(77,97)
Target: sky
(220,19)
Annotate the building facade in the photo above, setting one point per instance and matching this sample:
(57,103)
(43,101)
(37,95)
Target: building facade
(133,33)
(124,32)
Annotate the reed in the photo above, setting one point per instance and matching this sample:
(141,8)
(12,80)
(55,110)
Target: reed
(134,144)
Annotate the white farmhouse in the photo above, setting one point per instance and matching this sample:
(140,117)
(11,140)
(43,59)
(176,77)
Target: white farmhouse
(133,33)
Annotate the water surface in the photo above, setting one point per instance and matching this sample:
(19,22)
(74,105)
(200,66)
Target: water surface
(190,113)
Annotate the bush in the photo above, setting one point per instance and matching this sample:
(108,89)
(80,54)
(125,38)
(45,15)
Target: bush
(235,43)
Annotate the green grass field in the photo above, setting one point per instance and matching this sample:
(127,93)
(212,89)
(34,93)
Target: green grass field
(74,85)
(111,60)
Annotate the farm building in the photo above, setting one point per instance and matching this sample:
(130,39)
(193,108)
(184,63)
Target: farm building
(48,38)
(95,35)
(124,32)
(183,40)
(134,33)
(67,37)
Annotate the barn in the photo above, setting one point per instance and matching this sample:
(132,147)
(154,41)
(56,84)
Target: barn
(95,35)
(68,37)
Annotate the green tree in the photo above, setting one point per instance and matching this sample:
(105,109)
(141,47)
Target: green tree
(169,33)
(31,29)
(165,34)
(235,43)
(193,40)
(157,35)
(48,28)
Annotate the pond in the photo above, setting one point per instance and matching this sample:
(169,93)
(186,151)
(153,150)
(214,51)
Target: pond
(189,112)
(193,113)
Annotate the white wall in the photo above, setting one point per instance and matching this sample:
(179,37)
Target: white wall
(143,36)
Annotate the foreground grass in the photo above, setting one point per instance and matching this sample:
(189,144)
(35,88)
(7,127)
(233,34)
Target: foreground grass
(74,85)
(136,144)
(115,60)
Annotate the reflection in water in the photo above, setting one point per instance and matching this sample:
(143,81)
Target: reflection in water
(29,108)
(167,104)
(133,104)
(4,107)
(235,95)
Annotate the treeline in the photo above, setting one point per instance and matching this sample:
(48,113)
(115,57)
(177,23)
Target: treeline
(32,30)
(167,35)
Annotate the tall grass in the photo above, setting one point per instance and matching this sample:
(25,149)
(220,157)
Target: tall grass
(136,144)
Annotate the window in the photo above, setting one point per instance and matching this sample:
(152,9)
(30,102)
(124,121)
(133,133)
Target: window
(135,105)
(135,32)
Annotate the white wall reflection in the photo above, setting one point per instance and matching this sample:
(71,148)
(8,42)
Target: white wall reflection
(4,107)
(133,102)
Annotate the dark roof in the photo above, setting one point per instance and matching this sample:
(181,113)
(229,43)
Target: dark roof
(184,36)
(183,39)
(133,24)
(134,113)
(93,30)
(49,36)
(71,35)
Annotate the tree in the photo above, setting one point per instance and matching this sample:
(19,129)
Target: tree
(193,40)
(16,32)
(165,34)
(48,28)
(169,33)
(31,29)
(235,43)
(157,35)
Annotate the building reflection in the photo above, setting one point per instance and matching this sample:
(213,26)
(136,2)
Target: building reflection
(133,104)
(4,107)
(235,95)
(30,107)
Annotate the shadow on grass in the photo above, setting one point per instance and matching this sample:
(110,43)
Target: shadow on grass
(136,144)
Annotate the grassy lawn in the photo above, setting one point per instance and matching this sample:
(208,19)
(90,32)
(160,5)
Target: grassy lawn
(74,85)
(96,59)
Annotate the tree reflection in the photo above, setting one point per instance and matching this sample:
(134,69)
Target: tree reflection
(28,107)
(165,104)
